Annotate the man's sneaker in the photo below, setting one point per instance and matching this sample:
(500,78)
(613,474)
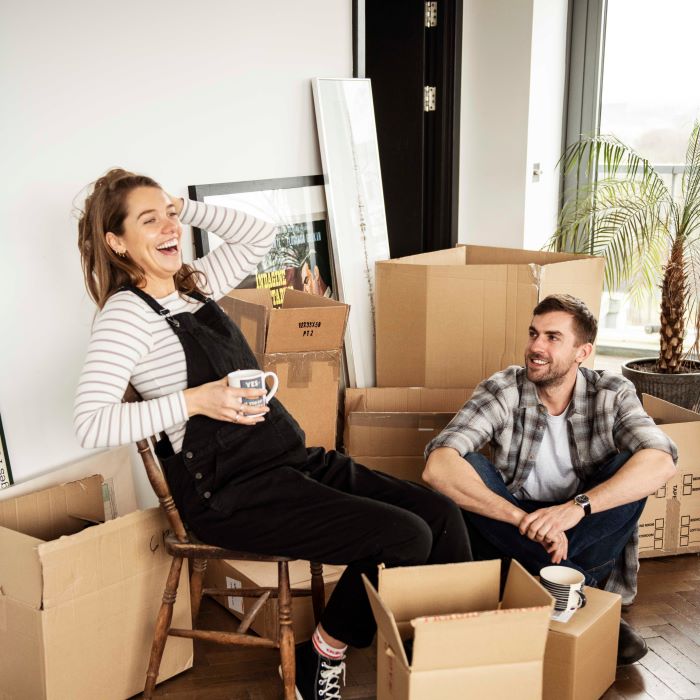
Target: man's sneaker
(317,677)
(630,646)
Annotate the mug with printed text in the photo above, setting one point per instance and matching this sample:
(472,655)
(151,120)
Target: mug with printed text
(565,585)
(254,379)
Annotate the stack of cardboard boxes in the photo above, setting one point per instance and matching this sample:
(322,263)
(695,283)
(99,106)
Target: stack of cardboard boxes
(301,342)
(445,321)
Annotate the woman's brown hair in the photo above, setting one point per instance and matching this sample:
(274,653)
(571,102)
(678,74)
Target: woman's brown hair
(105,210)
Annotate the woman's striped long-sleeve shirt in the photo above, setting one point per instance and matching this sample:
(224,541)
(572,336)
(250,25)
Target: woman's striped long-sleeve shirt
(132,343)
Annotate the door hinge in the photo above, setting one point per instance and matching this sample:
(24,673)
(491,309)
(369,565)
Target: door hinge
(431,14)
(428,99)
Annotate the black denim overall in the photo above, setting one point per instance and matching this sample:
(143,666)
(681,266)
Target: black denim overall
(259,489)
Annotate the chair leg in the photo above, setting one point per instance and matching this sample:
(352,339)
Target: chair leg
(199,567)
(286,632)
(160,636)
(318,593)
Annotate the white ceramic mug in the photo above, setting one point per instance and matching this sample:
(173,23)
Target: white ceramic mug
(254,379)
(565,585)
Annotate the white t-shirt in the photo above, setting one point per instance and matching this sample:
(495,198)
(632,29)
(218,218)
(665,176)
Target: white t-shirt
(553,477)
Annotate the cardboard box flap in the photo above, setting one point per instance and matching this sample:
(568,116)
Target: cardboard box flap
(406,399)
(522,590)
(259,297)
(420,599)
(487,255)
(479,638)
(448,256)
(666,412)
(294,299)
(317,326)
(60,510)
(20,568)
(101,556)
(250,311)
(385,621)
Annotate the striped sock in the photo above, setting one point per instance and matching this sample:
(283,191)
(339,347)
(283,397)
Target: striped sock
(324,649)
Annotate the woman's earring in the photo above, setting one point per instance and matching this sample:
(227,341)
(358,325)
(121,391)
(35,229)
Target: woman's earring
(121,254)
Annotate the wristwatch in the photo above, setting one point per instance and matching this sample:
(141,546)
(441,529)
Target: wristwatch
(585,503)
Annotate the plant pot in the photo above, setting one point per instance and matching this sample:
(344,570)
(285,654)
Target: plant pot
(681,389)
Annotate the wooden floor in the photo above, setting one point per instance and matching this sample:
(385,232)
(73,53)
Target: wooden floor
(667,614)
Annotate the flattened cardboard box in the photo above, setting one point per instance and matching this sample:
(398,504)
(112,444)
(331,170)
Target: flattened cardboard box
(78,606)
(581,655)
(670,521)
(301,342)
(466,642)
(241,574)
(454,317)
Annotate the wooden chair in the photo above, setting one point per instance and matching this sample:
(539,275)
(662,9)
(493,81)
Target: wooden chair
(181,544)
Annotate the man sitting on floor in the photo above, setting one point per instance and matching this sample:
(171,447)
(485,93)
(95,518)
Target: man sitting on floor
(574,458)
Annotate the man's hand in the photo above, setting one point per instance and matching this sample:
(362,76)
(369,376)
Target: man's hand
(547,524)
(558,550)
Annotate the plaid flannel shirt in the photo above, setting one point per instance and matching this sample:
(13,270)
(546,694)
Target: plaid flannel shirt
(605,417)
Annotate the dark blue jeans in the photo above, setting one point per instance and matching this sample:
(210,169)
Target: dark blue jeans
(594,543)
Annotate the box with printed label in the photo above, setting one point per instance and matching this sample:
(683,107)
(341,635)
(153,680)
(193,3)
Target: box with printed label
(454,317)
(302,343)
(79,597)
(254,574)
(467,641)
(670,521)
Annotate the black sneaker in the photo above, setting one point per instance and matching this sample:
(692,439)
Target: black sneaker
(317,677)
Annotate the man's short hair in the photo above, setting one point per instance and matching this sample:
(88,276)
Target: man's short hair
(585,325)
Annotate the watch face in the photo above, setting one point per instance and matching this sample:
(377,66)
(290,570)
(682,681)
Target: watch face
(582,500)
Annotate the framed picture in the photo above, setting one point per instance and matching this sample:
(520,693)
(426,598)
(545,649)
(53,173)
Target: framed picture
(348,138)
(5,471)
(300,256)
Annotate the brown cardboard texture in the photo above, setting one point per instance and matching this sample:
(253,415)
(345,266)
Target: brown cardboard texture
(118,494)
(454,317)
(581,655)
(304,322)
(241,574)
(309,390)
(465,642)
(78,606)
(670,521)
(397,421)
(301,342)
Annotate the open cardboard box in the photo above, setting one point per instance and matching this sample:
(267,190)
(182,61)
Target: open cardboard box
(253,574)
(79,598)
(670,521)
(454,317)
(301,342)
(466,642)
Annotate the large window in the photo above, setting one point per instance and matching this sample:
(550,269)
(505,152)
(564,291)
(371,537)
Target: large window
(650,99)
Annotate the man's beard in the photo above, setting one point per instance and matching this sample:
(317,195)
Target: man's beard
(553,376)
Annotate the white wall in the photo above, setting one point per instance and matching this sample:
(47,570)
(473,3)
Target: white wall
(513,76)
(188,97)
(545,120)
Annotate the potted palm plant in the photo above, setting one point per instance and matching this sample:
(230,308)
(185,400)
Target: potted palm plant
(650,239)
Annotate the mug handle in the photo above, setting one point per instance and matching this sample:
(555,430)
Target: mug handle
(581,598)
(275,384)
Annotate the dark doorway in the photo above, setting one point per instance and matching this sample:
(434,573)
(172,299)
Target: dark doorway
(407,49)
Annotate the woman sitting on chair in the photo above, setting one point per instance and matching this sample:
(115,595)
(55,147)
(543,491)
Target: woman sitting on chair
(240,480)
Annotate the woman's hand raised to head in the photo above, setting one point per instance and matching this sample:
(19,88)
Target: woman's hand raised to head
(178,202)
(220,401)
